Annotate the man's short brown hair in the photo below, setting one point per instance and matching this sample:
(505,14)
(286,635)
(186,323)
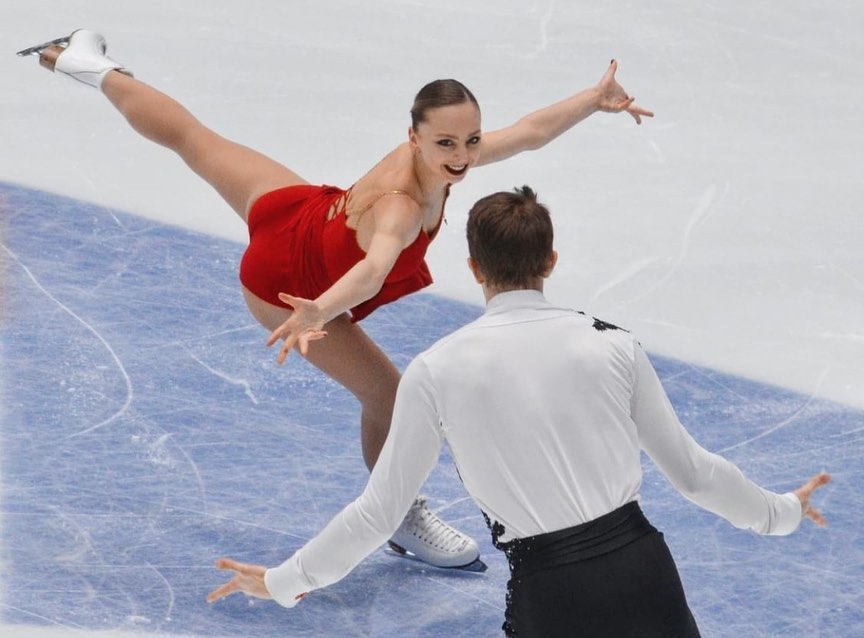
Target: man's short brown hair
(510,238)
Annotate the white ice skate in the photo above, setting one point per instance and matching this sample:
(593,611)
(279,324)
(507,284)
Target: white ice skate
(80,55)
(425,537)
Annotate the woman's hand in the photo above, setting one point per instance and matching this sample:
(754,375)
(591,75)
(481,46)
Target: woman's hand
(614,99)
(806,491)
(305,324)
(247,579)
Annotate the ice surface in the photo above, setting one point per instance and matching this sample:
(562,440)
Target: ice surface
(147,431)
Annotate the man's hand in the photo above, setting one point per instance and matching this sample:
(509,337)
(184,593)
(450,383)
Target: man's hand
(806,491)
(247,579)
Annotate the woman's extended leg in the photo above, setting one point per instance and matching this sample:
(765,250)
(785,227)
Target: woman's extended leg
(239,174)
(348,356)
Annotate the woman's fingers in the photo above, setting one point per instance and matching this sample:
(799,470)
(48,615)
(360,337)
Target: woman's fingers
(285,350)
(274,336)
(298,330)
(301,342)
(284,297)
(306,337)
(638,113)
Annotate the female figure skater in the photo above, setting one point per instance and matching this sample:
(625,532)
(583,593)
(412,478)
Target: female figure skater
(321,258)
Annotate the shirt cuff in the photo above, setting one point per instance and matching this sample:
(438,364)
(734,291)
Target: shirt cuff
(286,583)
(788,514)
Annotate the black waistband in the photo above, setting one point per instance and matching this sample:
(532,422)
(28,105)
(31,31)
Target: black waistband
(576,544)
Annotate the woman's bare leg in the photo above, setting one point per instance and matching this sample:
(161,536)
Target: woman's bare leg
(239,174)
(348,356)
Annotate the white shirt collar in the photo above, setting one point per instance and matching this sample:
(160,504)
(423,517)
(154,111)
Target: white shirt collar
(515,299)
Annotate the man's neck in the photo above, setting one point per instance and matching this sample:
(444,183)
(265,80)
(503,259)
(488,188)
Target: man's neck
(491,291)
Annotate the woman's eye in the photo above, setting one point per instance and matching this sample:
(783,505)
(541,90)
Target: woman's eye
(445,142)
(474,140)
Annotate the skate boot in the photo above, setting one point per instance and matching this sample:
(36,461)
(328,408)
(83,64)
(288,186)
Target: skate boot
(433,541)
(80,55)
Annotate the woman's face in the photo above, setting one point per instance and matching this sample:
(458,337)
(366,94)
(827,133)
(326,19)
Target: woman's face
(449,140)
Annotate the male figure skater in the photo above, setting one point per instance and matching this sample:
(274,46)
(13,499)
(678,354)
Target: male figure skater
(546,411)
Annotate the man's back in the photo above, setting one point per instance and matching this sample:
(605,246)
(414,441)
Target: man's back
(534,401)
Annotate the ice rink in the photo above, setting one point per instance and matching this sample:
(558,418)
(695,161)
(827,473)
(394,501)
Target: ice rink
(146,429)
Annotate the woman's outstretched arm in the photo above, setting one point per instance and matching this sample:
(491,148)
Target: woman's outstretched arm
(540,127)
(397,224)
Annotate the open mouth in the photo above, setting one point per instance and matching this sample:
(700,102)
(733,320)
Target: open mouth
(456,171)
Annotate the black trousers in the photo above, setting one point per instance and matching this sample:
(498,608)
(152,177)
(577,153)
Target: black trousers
(612,577)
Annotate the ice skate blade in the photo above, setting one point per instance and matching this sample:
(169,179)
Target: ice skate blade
(40,47)
(477,566)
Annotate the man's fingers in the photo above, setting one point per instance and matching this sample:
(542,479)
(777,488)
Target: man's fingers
(806,491)
(225,590)
(247,578)
(815,516)
(229,563)
(821,479)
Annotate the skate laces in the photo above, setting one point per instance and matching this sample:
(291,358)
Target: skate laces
(431,530)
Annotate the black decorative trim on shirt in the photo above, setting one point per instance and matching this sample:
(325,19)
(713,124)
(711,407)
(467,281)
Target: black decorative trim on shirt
(602,326)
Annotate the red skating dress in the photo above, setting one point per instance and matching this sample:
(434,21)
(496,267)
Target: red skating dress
(300,244)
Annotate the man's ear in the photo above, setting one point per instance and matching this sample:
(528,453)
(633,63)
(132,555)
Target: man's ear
(550,265)
(478,276)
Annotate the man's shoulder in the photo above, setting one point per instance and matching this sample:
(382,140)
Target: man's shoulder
(457,335)
(569,317)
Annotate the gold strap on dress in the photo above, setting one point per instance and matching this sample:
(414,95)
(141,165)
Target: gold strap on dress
(339,206)
(379,196)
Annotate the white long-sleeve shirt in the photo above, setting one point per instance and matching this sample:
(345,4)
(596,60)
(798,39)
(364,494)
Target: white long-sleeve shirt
(545,411)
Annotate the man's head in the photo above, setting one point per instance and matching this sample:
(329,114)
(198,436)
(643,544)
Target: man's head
(510,241)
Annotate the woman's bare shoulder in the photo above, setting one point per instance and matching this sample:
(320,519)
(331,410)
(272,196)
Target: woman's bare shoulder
(394,172)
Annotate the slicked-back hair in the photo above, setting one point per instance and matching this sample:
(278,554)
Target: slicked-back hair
(510,238)
(436,94)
